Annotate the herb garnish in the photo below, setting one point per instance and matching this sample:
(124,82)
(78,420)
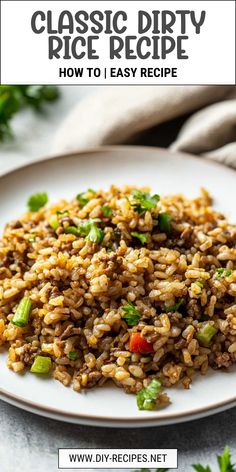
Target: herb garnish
(88,229)
(147,397)
(72,230)
(72,355)
(82,199)
(221,272)
(143,238)
(37,201)
(41,365)
(15,97)
(205,334)
(144,201)
(164,222)
(107,211)
(32,238)
(22,314)
(92,191)
(224,463)
(95,234)
(64,212)
(54,223)
(175,307)
(131,314)
(200,283)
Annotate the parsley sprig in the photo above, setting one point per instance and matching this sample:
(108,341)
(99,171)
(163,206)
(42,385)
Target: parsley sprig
(88,229)
(37,201)
(131,314)
(224,463)
(13,98)
(143,201)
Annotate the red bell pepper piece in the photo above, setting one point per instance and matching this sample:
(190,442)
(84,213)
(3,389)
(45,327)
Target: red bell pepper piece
(138,344)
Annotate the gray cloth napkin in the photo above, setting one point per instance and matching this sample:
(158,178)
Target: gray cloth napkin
(195,119)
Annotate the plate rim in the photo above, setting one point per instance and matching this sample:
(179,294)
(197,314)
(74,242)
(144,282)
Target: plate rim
(114,147)
(58,414)
(160,420)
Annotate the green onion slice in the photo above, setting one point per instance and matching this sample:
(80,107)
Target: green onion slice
(72,355)
(221,272)
(175,307)
(72,230)
(143,238)
(54,223)
(41,365)
(84,200)
(107,211)
(95,234)
(205,334)
(22,314)
(147,397)
(164,221)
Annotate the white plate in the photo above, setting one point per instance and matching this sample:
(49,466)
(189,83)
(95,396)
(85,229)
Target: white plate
(66,176)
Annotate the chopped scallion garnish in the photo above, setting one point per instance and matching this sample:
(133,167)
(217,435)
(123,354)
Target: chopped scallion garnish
(205,334)
(22,314)
(54,223)
(85,226)
(200,283)
(72,230)
(143,238)
(72,355)
(221,272)
(41,365)
(32,237)
(60,213)
(107,211)
(82,199)
(37,201)
(95,234)
(175,307)
(147,397)
(164,222)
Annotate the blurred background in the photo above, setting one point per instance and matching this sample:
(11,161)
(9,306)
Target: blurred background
(32,131)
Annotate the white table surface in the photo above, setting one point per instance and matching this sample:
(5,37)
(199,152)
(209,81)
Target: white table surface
(28,442)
